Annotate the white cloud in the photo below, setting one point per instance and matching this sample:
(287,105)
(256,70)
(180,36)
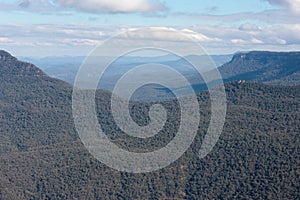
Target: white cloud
(281,16)
(5,40)
(78,39)
(293,5)
(163,34)
(281,41)
(199,36)
(238,41)
(288,32)
(101,6)
(79,42)
(256,41)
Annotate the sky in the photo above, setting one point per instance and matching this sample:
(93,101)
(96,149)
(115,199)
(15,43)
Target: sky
(40,28)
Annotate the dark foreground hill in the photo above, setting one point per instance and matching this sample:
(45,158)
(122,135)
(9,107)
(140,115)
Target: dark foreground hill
(41,156)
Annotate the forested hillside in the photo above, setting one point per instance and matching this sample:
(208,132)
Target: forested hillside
(41,156)
(282,68)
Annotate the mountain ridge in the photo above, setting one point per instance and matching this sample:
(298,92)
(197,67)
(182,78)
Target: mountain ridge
(263,66)
(11,66)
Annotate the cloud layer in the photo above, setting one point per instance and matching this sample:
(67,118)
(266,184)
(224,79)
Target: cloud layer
(274,29)
(101,6)
(292,5)
(49,39)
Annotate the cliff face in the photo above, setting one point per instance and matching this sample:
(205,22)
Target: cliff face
(269,67)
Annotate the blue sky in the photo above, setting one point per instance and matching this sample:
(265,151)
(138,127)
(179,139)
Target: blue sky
(39,14)
(75,27)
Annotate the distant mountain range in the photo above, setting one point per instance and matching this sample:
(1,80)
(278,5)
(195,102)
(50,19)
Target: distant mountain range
(41,156)
(281,68)
(66,68)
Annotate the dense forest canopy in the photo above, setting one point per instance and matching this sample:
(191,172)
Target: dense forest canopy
(42,157)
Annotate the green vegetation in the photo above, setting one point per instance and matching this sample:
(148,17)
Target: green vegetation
(281,68)
(41,156)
